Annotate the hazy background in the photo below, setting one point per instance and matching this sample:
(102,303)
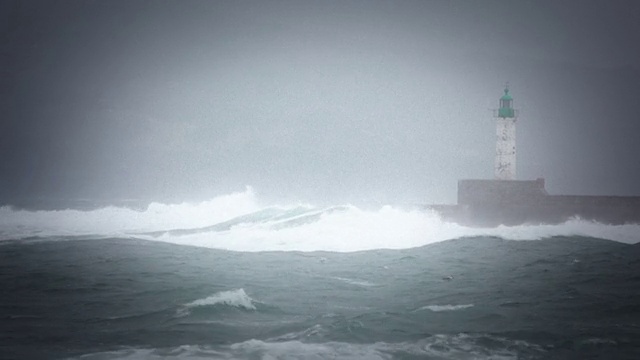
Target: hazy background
(319,101)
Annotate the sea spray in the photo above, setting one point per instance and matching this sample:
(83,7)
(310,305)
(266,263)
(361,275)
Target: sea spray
(353,229)
(111,220)
(236,298)
(239,222)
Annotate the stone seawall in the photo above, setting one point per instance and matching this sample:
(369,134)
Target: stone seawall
(514,202)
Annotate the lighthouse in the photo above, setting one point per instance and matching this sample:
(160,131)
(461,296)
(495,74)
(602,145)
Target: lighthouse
(508,201)
(505,164)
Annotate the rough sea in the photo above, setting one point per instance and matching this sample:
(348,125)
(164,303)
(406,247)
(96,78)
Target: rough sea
(231,278)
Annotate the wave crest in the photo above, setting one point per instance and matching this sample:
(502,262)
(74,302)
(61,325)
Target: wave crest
(114,221)
(238,222)
(236,298)
(438,346)
(438,308)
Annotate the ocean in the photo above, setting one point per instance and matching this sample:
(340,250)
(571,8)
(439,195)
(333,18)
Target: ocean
(231,278)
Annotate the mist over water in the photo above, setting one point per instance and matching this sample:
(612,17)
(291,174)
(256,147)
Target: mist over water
(355,102)
(346,117)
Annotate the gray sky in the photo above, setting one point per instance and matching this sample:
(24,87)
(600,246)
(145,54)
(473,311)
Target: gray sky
(319,101)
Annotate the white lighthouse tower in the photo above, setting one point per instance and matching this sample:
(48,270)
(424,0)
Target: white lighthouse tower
(505,164)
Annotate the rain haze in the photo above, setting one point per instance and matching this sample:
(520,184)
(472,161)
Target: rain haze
(189,179)
(372,102)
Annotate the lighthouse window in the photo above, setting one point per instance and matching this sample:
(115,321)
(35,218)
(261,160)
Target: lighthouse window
(506,103)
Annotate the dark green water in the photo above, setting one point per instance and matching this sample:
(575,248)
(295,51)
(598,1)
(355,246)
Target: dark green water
(468,298)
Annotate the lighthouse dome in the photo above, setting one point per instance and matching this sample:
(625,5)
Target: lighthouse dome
(506,105)
(506,95)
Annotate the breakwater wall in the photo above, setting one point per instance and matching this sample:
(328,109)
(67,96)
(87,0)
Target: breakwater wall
(514,202)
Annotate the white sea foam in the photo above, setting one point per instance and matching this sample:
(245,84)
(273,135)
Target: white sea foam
(438,308)
(461,346)
(237,298)
(354,229)
(286,228)
(599,341)
(355,282)
(111,220)
(315,330)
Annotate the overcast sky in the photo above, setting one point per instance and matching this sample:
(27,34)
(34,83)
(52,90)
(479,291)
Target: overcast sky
(317,101)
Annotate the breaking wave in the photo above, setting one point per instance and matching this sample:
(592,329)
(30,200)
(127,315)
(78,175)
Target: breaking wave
(236,298)
(438,308)
(239,222)
(115,221)
(460,346)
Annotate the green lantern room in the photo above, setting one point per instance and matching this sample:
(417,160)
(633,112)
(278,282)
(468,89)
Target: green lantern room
(506,105)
